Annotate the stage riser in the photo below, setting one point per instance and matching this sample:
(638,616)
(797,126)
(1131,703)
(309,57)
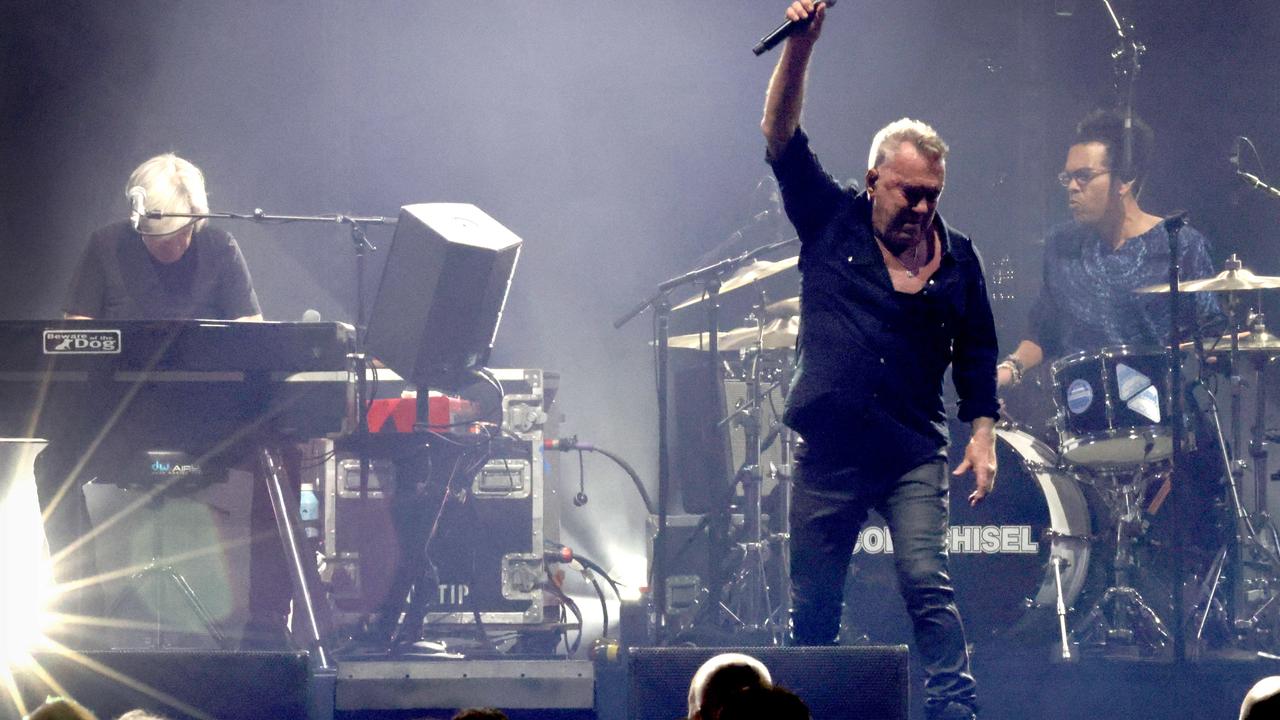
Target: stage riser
(447,684)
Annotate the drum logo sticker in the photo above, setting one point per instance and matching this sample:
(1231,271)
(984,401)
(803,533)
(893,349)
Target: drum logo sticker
(81,342)
(1079,396)
(1138,393)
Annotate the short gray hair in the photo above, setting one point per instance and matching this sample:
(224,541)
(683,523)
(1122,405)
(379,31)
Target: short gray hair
(172,185)
(921,135)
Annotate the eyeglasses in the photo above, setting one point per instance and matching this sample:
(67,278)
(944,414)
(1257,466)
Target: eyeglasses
(1082,177)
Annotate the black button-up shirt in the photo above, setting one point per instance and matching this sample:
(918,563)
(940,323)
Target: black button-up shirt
(871,360)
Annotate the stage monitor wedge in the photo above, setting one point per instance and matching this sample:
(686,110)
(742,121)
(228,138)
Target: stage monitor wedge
(440,300)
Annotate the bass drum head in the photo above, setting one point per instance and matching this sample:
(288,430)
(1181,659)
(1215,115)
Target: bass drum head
(1000,552)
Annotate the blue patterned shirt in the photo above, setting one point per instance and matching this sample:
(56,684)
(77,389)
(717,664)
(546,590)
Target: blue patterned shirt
(1088,300)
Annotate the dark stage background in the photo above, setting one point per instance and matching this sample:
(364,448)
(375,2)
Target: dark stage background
(619,140)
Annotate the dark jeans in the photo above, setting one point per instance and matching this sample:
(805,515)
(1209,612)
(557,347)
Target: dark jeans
(60,475)
(831,502)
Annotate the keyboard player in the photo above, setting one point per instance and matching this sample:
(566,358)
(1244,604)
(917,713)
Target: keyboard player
(153,269)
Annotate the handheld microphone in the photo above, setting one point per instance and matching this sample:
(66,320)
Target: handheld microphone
(783,31)
(137,205)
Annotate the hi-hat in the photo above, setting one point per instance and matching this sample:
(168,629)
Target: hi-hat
(777,334)
(746,275)
(1236,278)
(1259,341)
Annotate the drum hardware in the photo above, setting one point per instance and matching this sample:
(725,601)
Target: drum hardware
(1061,607)
(1235,278)
(1122,616)
(1251,567)
(746,599)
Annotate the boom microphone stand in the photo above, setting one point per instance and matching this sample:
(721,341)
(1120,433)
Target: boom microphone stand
(1178,460)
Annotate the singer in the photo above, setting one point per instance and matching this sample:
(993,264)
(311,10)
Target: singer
(150,269)
(891,296)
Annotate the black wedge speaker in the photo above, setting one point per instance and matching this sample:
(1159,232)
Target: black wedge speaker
(837,683)
(441,296)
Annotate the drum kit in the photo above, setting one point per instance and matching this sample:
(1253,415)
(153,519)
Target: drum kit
(1115,430)
(756,358)
(1099,479)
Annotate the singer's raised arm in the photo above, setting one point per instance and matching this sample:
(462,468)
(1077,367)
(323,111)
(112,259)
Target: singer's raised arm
(783,102)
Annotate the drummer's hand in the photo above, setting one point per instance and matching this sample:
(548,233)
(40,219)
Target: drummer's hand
(980,457)
(1004,377)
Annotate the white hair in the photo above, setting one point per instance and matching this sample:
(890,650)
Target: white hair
(172,185)
(698,686)
(1261,700)
(921,135)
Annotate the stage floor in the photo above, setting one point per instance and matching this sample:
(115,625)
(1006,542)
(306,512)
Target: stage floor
(1013,685)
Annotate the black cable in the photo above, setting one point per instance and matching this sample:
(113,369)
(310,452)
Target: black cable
(581,498)
(593,565)
(604,603)
(569,603)
(567,444)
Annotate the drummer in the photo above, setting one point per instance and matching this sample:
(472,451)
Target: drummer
(1093,265)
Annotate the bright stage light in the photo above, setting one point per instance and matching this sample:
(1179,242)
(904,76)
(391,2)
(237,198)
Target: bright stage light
(631,570)
(24,559)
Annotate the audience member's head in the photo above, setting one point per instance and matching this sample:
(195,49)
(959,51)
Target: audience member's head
(140,715)
(763,703)
(719,677)
(482,713)
(61,709)
(1262,700)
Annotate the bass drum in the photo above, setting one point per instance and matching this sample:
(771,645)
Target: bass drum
(1000,552)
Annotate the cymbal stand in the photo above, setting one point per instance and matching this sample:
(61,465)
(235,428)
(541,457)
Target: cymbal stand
(747,601)
(1257,447)
(1252,568)
(1229,555)
(783,476)
(1121,616)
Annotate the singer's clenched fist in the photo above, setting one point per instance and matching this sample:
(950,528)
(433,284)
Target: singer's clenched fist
(802,10)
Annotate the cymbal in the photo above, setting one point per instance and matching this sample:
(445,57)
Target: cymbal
(779,334)
(1233,280)
(746,275)
(783,308)
(1249,342)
